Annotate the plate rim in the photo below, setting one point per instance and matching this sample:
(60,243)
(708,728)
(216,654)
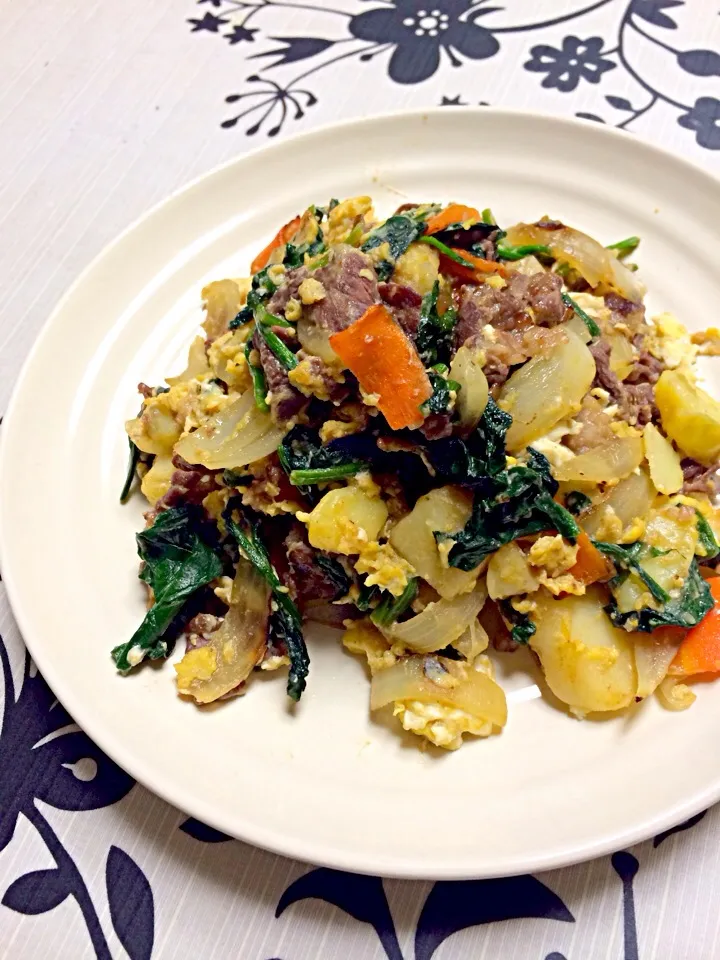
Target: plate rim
(284,845)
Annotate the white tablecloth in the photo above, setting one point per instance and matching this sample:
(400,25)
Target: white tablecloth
(105,108)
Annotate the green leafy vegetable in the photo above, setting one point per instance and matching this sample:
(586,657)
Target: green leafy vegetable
(366,597)
(231,478)
(177,563)
(628,558)
(286,622)
(686,610)
(706,537)
(624,247)
(306,461)
(262,288)
(133,462)
(487,216)
(258,380)
(508,503)
(398,232)
(576,502)
(511,252)
(434,337)
(295,255)
(440,399)
(336,573)
(446,251)
(521,624)
(593,328)
(286,357)
(390,607)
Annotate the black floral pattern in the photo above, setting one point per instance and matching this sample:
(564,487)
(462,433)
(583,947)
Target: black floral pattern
(577,60)
(418,30)
(704,119)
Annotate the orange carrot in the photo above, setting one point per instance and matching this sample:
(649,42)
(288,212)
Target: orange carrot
(382,357)
(453,213)
(282,236)
(700,650)
(475,274)
(591,565)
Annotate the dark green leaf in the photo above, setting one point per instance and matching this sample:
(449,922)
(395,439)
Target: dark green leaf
(390,607)
(446,251)
(258,380)
(624,247)
(133,461)
(335,572)
(306,461)
(232,478)
(434,337)
(177,563)
(576,502)
(301,478)
(261,289)
(440,399)
(366,597)
(687,610)
(506,251)
(628,557)
(521,624)
(593,328)
(398,232)
(706,537)
(286,357)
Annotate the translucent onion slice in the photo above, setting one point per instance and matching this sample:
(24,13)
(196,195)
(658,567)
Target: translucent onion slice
(436,680)
(440,623)
(613,460)
(631,498)
(584,254)
(316,341)
(653,655)
(197,363)
(467,369)
(236,436)
(209,672)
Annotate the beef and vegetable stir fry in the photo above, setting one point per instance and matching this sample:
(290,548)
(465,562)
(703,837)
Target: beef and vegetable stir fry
(448,439)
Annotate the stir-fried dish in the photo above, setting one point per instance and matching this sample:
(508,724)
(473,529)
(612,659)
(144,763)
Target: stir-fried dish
(450,440)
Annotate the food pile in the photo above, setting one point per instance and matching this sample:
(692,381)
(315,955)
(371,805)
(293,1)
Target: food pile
(449,440)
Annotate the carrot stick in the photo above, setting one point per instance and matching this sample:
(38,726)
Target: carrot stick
(700,650)
(282,236)
(384,360)
(591,565)
(453,213)
(475,274)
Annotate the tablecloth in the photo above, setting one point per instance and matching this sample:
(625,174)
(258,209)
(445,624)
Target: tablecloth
(105,108)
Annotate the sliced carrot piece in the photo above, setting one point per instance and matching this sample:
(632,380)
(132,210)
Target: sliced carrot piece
(591,565)
(700,650)
(282,236)
(475,274)
(384,360)
(453,213)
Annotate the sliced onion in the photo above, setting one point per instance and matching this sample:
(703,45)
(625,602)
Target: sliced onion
(631,498)
(584,254)
(613,460)
(653,655)
(236,436)
(197,363)
(467,369)
(436,680)
(439,623)
(315,340)
(209,672)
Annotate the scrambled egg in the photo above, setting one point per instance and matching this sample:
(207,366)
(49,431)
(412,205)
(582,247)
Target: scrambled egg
(344,216)
(385,567)
(443,725)
(553,554)
(293,310)
(671,342)
(227,359)
(363,637)
(551,447)
(311,291)
(308,381)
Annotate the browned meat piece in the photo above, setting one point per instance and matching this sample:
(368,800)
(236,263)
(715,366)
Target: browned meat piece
(647,368)
(510,349)
(524,301)
(285,401)
(404,305)
(189,483)
(636,401)
(700,478)
(307,580)
(145,390)
(348,293)
(288,291)
(627,312)
(436,426)
(595,427)
(324,385)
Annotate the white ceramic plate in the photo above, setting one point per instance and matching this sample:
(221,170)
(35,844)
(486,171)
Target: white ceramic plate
(326,783)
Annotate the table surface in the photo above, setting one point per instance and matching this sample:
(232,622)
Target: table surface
(105,109)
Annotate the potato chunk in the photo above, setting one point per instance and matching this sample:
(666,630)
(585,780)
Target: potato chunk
(690,416)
